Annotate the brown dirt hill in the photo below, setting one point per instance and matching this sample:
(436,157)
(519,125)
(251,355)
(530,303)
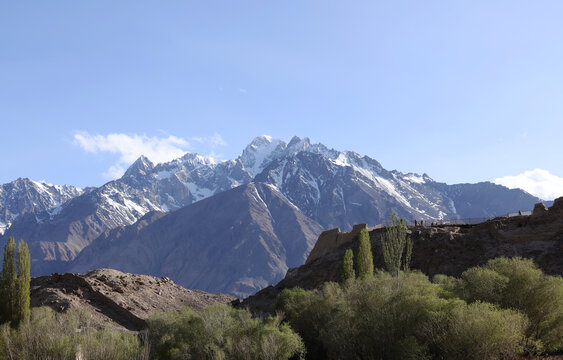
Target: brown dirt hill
(444,249)
(117,300)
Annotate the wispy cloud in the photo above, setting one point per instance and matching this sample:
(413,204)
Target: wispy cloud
(538,182)
(130,147)
(210,144)
(212,141)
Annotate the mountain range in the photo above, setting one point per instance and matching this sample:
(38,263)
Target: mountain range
(232,226)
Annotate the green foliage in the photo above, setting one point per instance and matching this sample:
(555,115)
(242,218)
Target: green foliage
(385,319)
(8,281)
(374,318)
(483,284)
(477,331)
(364,319)
(14,286)
(21,310)
(309,312)
(518,284)
(449,285)
(364,256)
(395,244)
(347,271)
(50,335)
(220,332)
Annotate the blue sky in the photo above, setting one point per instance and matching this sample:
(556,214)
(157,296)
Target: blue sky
(465,91)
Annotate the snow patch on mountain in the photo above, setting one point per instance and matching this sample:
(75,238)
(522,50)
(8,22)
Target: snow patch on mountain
(199,193)
(415,178)
(260,152)
(23,196)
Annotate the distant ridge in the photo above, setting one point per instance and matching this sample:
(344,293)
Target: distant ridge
(326,188)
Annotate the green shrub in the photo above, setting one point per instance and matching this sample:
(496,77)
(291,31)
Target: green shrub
(478,331)
(309,312)
(387,313)
(51,335)
(449,285)
(405,317)
(220,332)
(483,284)
(518,284)
(375,318)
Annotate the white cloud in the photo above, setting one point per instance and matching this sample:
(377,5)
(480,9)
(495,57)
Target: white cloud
(538,182)
(130,147)
(213,141)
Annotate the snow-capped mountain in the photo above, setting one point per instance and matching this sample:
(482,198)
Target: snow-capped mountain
(237,242)
(343,188)
(143,188)
(331,188)
(24,196)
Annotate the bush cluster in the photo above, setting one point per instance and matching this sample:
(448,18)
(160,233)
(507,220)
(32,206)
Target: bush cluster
(221,332)
(71,335)
(518,284)
(504,308)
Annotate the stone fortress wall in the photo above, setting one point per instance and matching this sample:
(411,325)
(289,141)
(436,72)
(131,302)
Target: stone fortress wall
(334,238)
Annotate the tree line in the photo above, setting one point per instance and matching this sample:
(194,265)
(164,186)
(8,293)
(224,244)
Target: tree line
(396,247)
(501,309)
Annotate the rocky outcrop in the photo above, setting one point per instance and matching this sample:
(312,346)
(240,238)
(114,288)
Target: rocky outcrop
(333,239)
(117,300)
(444,249)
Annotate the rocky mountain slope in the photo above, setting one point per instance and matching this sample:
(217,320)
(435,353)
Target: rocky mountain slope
(117,300)
(24,196)
(443,249)
(329,188)
(56,237)
(236,242)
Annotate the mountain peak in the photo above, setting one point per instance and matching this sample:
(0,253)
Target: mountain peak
(141,166)
(260,152)
(197,159)
(261,141)
(299,144)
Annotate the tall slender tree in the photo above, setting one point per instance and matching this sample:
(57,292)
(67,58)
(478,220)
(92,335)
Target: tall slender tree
(347,272)
(14,285)
(21,310)
(395,243)
(8,281)
(364,257)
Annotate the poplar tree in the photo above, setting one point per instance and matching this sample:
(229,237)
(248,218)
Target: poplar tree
(395,243)
(8,282)
(14,286)
(364,257)
(21,310)
(347,272)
